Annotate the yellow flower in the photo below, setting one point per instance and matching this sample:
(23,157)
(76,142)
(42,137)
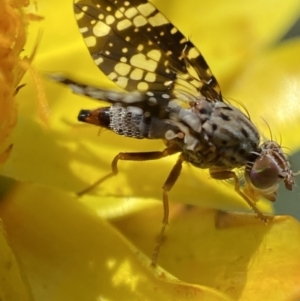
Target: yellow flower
(68,250)
(12,39)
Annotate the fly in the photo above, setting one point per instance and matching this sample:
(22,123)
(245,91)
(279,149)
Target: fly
(171,94)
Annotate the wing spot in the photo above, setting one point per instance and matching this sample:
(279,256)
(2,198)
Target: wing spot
(168,83)
(127,39)
(143,86)
(158,20)
(196,83)
(101,17)
(126,3)
(101,29)
(80,15)
(122,69)
(118,14)
(154,54)
(110,20)
(124,24)
(108,8)
(125,50)
(149,93)
(146,9)
(136,74)
(139,21)
(193,53)
(130,12)
(123,59)
(122,82)
(140,61)
(83,30)
(112,76)
(150,77)
(98,61)
(90,41)
(173,30)
(166,96)
(107,52)
(161,33)
(182,41)
(140,47)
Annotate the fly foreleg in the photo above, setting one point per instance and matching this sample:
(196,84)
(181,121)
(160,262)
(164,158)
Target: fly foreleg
(229,174)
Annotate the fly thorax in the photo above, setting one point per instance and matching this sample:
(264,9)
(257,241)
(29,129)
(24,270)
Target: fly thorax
(233,135)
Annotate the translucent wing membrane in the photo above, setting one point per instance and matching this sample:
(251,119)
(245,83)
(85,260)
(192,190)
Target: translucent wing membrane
(139,49)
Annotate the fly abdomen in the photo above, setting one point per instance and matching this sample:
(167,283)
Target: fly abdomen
(98,117)
(129,121)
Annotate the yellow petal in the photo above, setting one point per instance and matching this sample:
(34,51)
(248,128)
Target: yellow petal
(234,253)
(13,285)
(270,89)
(68,253)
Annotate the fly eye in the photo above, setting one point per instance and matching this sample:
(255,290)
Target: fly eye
(264,173)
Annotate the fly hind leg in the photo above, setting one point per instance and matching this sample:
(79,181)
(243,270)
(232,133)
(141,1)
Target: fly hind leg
(138,156)
(173,176)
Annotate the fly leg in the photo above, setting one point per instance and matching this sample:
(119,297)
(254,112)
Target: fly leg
(228,174)
(173,176)
(142,156)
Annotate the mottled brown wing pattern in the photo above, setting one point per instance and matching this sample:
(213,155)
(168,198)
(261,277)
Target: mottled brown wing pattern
(139,49)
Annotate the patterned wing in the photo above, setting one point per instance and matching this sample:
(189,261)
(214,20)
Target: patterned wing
(139,49)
